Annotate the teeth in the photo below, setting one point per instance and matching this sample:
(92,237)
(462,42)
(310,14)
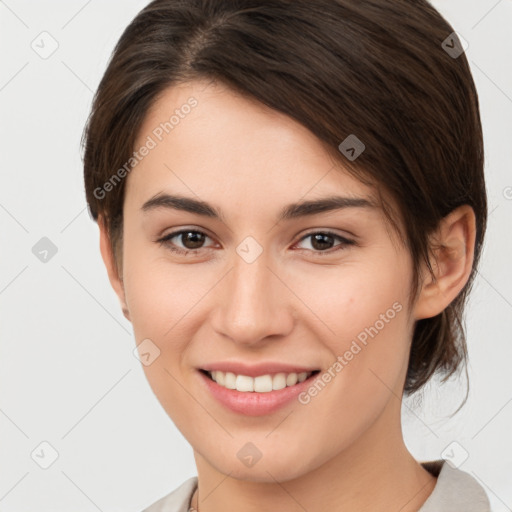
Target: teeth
(244,383)
(260,384)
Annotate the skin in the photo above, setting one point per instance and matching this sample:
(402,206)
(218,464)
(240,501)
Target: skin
(344,450)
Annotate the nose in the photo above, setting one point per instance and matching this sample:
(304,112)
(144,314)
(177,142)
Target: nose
(253,305)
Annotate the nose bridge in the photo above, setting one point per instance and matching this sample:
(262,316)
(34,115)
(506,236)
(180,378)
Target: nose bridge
(250,286)
(252,305)
(250,271)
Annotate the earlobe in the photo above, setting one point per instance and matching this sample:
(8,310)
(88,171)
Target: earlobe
(453,247)
(107,255)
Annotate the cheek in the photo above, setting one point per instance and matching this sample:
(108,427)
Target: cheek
(160,298)
(160,294)
(369,355)
(348,299)
(164,300)
(363,321)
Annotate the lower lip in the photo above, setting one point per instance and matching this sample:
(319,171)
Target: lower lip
(254,403)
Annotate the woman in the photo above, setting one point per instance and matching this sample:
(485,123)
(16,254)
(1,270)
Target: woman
(292,205)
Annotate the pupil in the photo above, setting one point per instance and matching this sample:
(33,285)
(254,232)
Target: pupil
(318,239)
(196,239)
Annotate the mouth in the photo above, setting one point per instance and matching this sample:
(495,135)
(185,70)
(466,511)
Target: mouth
(257,395)
(260,384)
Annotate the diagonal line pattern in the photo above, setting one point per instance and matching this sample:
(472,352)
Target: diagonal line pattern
(215,488)
(77,76)
(399,398)
(14,218)
(76,14)
(197,401)
(14,423)
(485,15)
(492,81)
(118,381)
(81,491)
(73,219)
(13,279)
(14,76)
(414,496)
(495,289)
(503,407)
(291,496)
(14,14)
(279,424)
(5,495)
(483,483)
(95,300)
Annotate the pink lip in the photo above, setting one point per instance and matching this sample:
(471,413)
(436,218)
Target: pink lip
(254,370)
(253,403)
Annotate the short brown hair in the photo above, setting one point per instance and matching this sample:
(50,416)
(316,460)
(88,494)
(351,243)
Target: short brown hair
(376,69)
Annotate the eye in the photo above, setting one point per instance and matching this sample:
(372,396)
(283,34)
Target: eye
(192,240)
(322,241)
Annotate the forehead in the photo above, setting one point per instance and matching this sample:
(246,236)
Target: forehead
(225,124)
(209,141)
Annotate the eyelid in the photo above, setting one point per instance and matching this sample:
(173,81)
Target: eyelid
(167,237)
(177,231)
(329,231)
(344,241)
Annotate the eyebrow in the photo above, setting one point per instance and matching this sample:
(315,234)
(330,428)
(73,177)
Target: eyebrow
(291,211)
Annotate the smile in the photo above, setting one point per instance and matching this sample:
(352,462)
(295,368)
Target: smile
(260,384)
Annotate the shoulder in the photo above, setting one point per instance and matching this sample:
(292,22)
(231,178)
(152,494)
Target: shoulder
(455,490)
(176,501)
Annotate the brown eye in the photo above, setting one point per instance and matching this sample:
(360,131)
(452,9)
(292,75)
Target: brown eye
(323,241)
(191,240)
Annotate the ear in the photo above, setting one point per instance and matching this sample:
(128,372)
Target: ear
(115,279)
(453,247)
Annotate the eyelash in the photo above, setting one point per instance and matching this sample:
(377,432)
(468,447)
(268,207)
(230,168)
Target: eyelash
(344,242)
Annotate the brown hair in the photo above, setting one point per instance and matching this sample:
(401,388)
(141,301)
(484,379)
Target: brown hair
(377,69)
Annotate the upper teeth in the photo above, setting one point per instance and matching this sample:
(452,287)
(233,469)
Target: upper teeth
(260,384)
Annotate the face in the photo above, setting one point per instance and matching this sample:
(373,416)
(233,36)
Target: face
(238,286)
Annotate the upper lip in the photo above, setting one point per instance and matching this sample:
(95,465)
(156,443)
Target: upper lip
(254,370)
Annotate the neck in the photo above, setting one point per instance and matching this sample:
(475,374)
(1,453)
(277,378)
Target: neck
(375,474)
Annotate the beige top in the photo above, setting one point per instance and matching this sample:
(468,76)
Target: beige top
(455,491)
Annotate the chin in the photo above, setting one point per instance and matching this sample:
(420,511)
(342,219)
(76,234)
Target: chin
(268,469)
(263,474)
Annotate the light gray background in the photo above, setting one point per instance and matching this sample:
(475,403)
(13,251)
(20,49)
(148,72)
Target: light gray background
(68,373)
